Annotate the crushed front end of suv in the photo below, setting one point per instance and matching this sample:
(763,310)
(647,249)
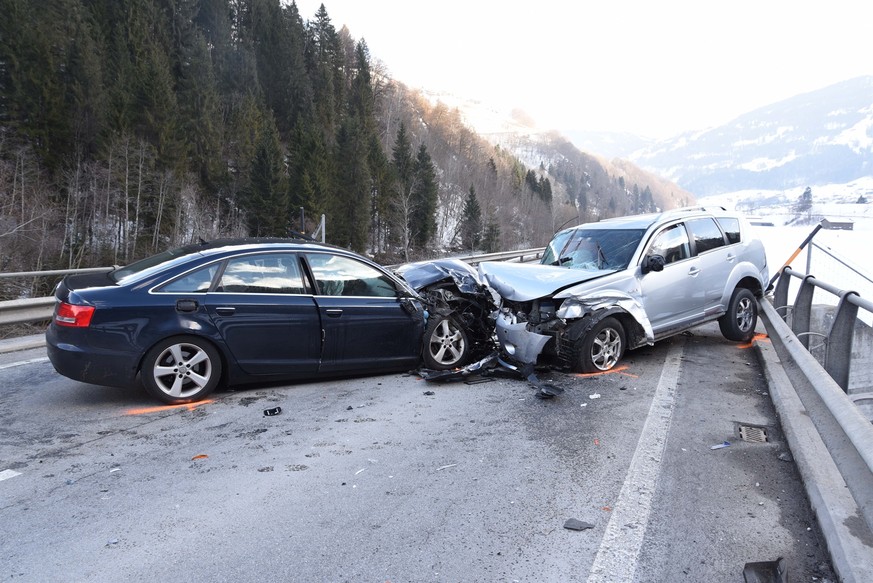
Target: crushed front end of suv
(606,287)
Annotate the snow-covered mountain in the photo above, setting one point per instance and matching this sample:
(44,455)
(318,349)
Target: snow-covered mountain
(820,138)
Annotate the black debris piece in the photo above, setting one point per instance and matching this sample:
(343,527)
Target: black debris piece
(273,411)
(576,524)
(429,393)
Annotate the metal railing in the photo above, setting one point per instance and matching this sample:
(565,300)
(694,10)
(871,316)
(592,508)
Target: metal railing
(28,310)
(830,399)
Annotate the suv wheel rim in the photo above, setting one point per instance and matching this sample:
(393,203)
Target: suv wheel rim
(606,349)
(745,314)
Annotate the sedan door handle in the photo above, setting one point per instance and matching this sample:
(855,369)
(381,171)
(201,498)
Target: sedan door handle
(693,271)
(225,311)
(333,312)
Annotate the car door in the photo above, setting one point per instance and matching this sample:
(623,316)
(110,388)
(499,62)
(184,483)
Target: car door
(716,261)
(669,295)
(266,314)
(367,322)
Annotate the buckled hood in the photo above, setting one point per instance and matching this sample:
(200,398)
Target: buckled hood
(522,282)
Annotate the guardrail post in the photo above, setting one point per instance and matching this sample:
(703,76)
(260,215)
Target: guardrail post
(780,295)
(838,359)
(802,314)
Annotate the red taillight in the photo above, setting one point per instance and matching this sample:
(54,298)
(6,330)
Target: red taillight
(74,316)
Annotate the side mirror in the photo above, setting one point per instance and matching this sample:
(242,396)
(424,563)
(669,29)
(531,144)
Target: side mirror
(653,263)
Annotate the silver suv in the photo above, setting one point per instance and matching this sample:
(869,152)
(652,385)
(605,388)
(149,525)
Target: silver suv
(618,284)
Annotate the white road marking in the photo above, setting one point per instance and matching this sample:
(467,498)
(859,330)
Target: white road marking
(23,362)
(6,474)
(619,553)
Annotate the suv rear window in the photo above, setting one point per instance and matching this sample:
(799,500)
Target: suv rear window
(731,228)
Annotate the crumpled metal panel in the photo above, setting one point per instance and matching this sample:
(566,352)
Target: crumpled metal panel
(520,282)
(605,299)
(520,343)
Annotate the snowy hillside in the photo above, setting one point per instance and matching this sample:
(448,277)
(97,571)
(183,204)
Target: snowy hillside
(818,138)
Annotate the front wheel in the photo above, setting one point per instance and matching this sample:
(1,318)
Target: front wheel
(738,324)
(181,370)
(601,348)
(446,345)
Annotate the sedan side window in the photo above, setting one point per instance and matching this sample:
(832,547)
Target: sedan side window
(672,244)
(269,273)
(194,282)
(342,276)
(706,234)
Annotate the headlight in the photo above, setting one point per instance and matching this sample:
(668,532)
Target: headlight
(570,310)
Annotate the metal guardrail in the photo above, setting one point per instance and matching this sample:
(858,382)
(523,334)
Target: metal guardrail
(38,309)
(28,310)
(824,387)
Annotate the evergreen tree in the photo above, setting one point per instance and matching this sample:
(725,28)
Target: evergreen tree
(470,227)
(349,216)
(491,239)
(424,195)
(266,203)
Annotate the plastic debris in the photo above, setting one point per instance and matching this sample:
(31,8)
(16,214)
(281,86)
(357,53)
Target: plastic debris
(594,396)
(575,524)
(446,467)
(721,445)
(200,456)
(429,393)
(273,411)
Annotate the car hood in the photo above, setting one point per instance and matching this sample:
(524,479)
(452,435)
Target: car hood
(521,282)
(424,273)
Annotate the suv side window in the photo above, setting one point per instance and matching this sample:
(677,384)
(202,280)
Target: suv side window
(672,244)
(705,234)
(731,228)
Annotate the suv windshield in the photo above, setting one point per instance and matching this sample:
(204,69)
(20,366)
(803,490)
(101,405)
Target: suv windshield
(593,249)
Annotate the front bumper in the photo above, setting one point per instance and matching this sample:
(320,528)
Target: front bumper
(517,341)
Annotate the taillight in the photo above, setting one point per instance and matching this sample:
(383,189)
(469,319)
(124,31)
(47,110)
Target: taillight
(73,316)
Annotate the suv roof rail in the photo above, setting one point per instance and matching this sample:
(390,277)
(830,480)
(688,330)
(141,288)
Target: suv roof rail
(688,209)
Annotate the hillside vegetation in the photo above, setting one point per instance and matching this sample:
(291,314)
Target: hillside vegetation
(130,126)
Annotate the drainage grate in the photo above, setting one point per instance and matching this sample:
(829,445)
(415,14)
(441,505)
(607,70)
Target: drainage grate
(753,434)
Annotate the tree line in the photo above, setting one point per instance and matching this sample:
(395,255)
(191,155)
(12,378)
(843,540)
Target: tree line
(128,126)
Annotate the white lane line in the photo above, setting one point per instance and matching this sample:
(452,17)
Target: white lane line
(6,474)
(23,362)
(619,553)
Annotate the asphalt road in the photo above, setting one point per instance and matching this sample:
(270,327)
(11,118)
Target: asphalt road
(373,479)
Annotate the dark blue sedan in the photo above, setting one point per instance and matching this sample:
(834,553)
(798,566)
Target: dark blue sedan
(234,311)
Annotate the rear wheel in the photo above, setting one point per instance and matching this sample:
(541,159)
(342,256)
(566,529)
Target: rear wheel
(183,369)
(601,348)
(738,324)
(446,345)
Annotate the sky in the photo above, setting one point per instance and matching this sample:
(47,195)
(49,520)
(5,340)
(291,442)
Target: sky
(654,68)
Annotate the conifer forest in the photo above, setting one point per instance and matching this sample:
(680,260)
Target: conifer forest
(131,126)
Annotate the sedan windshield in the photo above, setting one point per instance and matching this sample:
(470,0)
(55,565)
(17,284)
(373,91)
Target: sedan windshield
(593,249)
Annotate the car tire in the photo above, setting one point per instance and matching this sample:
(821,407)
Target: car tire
(601,348)
(446,344)
(182,369)
(738,323)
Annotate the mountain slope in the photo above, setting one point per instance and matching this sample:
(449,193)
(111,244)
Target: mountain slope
(822,137)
